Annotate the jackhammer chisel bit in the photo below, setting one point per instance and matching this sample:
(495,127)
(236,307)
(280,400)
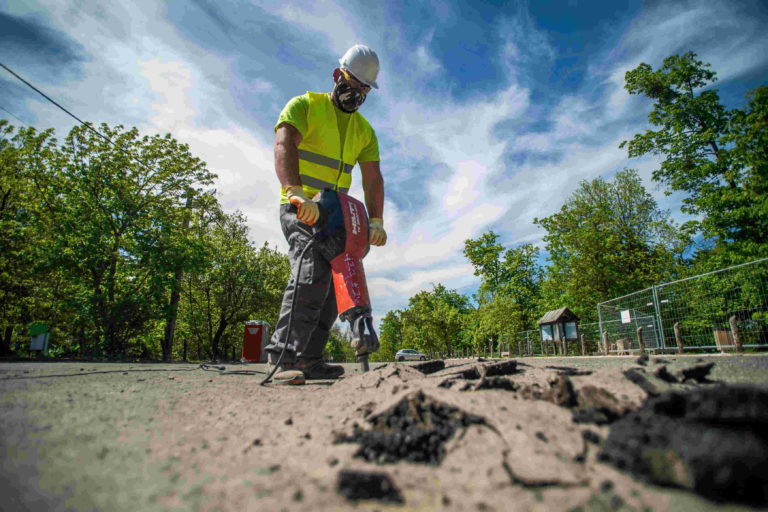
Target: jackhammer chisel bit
(363,342)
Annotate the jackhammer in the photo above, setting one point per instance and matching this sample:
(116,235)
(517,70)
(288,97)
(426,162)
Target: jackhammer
(341,237)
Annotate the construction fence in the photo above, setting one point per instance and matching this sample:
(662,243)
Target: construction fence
(716,310)
(529,343)
(722,310)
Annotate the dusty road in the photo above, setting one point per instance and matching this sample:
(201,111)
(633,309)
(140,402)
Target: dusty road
(126,437)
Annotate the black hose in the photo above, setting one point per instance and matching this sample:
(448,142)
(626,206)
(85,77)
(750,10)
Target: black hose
(290,316)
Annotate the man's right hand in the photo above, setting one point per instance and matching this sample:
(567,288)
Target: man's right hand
(308,211)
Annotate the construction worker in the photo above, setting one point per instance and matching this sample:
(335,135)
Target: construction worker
(319,137)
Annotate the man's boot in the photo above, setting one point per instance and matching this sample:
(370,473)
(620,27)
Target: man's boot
(319,369)
(286,373)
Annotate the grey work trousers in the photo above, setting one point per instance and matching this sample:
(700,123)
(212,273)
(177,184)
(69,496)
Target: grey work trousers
(315,310)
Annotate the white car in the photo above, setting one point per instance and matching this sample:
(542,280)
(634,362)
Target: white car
(408,354)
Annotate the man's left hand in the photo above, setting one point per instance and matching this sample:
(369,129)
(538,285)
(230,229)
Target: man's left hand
(377,235)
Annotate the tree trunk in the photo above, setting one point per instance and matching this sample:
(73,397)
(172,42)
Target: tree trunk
(116,346)
(170,323)
(5,346)
(173,303)
(217,337)
(81,342)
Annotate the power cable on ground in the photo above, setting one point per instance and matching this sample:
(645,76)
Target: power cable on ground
(202,366)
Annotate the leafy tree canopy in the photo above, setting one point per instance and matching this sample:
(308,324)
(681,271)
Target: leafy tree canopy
(716,156)
(608,239)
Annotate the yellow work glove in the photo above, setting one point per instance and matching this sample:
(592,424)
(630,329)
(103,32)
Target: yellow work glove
(308,211)
(376,233)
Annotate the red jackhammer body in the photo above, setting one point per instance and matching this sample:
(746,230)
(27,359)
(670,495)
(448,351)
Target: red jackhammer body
(341,235)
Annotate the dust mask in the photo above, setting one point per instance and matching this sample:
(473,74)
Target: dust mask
(347,98)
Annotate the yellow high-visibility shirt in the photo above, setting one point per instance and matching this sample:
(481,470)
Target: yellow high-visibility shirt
(332,142)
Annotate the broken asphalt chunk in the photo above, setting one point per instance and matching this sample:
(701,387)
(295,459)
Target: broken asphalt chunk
(567,371)
(663,373)
(697,373)
(637,376)
(364,485)
(597,405)
(490,370)
(492,383)
(415,429)
(430,366)
(561,392)
(709,440)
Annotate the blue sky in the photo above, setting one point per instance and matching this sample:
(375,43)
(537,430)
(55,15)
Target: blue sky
(489,114)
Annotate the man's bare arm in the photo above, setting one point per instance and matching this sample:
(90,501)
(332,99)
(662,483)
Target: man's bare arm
(373,186)
(287,140)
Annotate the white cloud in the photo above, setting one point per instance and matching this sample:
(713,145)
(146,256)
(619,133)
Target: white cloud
(447,156)
(324,17)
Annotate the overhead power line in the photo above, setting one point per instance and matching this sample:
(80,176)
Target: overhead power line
(14,115)
(41,93)
(87,125)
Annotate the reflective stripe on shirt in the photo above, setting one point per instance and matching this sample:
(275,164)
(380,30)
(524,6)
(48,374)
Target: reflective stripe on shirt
(323,160)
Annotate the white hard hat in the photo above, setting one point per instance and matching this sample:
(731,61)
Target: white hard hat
(362,62)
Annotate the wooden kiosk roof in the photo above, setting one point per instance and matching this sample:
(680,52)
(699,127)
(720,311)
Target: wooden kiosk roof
(558,315)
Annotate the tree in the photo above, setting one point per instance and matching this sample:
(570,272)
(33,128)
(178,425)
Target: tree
(716,156)
(17,235)
(111,239)
(608,239)
(390,336)
(485,254)
(434,320)
(109,213)
(30,287)
(238,282)
(497,321)
(508,297)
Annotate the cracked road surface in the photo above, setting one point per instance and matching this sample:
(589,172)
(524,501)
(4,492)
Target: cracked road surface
(496,435)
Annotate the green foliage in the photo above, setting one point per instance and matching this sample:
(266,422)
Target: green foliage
(509,290)
(717,157)
(339,349)
(390,336)
(237,283)
(20,238)
(485,254)
(111,222)
(434,320)
(608,239)
(101,239)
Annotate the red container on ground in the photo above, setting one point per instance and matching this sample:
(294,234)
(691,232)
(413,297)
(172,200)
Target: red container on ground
(255,340)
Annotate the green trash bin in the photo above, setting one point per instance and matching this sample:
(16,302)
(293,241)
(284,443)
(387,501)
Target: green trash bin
(38,333)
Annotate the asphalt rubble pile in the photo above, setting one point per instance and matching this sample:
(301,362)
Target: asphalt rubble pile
(678,429)
(413,430)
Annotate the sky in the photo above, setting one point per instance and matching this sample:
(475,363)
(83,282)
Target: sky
(488,115)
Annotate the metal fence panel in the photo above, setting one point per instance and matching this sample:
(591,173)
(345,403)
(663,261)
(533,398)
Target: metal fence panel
(699,308)
(591,334)
(621,317)
(702,307)
(698,311)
